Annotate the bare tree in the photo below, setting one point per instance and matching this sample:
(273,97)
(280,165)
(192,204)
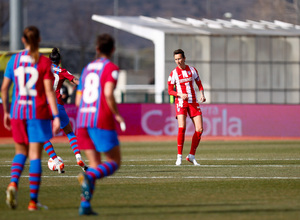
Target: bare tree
(296,6)
(275,10)
(81,30)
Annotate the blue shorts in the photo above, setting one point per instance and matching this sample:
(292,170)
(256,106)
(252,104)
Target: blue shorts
(99,139)
(64,118)
(33,130)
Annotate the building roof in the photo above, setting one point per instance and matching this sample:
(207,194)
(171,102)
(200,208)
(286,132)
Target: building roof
(157,29)
(135,24)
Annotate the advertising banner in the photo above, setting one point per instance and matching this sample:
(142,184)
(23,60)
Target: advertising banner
(231,120)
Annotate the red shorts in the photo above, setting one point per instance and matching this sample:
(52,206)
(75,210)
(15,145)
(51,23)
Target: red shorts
(193,109)
(19,131)
(84,140)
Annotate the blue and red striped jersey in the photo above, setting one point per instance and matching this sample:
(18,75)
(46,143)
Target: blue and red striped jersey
(29,99)
(93,110)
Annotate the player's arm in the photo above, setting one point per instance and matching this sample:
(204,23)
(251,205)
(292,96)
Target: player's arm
(52,102)
(78,97)
(69,76)
(75,81)
(4,95)
(200,87)
(111,102)
(174,93)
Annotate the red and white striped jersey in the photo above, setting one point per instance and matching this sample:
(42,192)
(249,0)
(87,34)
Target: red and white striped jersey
(184,83)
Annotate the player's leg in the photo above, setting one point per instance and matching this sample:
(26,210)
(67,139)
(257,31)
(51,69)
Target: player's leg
(21,151)
(180,137)
(74,145)
(48,147)
(105,141)
(38,131)
(101,141)
(67,128)
(198,123)
(96,170)
(99,170)
(87,179)
(20,137)
(35,173)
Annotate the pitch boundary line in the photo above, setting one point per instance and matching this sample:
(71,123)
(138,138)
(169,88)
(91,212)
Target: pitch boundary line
(218,159)
(205,177)
(221,166)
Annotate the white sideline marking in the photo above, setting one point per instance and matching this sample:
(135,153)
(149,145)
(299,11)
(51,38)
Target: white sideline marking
(204,177)
(222,166)
(183,177)
(220,159)
(207,166)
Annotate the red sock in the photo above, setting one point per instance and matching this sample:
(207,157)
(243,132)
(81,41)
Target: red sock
(195,142)
(180,139)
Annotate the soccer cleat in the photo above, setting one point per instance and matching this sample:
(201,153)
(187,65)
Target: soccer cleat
(191,158)
(178,161)
(85,186)
(86,211)
(11,195)
(80,162)
(33,206)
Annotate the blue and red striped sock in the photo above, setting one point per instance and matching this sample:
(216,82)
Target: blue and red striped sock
(50,150)
(35,172)
(17,167)
(73,142)
(107,169)
(103,170)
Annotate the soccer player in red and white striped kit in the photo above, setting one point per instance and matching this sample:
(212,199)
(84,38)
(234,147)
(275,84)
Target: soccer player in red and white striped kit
(183,78)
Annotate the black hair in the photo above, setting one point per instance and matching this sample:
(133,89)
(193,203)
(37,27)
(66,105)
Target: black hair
(55,56)
(105,44)
(179,51)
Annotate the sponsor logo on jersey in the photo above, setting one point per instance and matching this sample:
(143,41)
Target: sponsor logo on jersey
(185,80)
(88,109)
(25,102)
(95,66)
(26,59)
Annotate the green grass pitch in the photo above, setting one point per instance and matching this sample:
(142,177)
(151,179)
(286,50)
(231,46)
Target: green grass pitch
(236,180)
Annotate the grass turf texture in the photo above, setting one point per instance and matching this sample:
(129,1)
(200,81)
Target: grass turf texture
(236,180)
